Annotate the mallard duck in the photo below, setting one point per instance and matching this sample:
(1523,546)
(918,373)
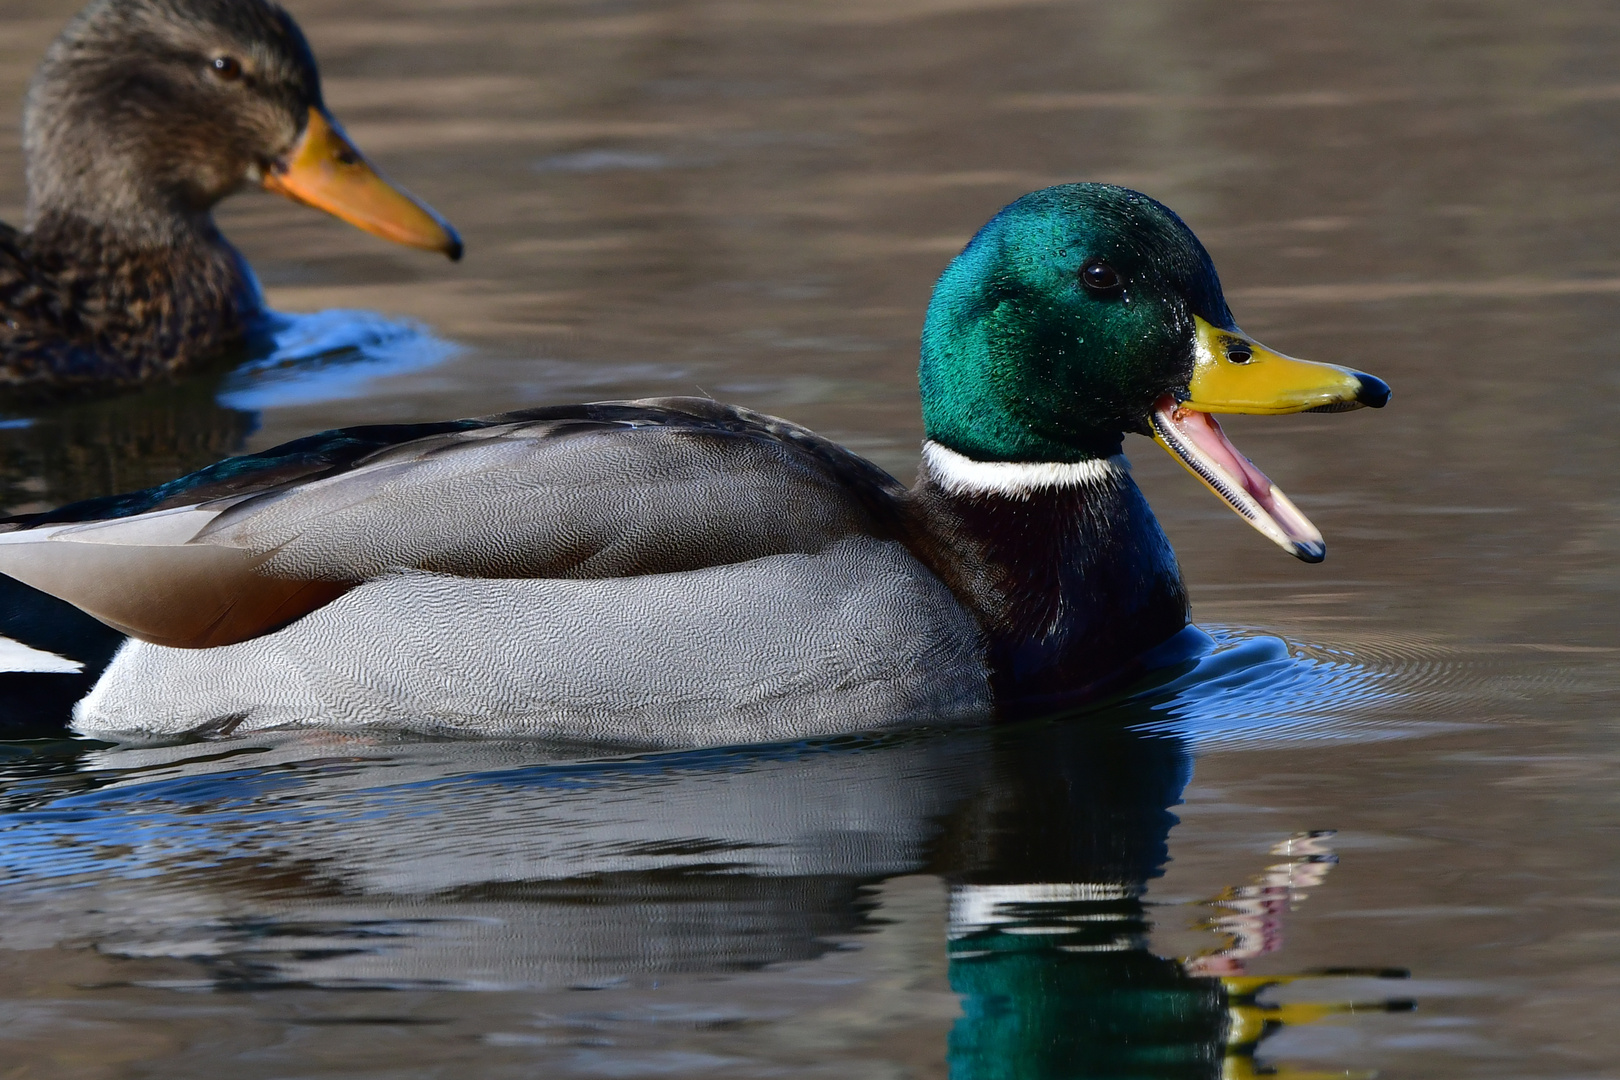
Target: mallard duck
(143,116)
(678,571)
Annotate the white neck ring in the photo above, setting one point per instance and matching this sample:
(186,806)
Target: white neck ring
(958,474)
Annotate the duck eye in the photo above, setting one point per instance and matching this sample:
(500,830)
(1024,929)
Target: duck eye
(1100,277)
(228,68)
(1238,353)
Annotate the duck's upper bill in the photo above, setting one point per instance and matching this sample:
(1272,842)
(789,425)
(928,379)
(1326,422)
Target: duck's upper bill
(1232,373)
(325,170)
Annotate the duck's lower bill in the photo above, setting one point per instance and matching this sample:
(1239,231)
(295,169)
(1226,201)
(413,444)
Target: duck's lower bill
(1197,441)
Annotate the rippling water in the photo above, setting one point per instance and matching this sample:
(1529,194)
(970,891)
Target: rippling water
(1367,825)
(320,864)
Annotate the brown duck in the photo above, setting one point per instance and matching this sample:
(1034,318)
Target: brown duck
(143,116)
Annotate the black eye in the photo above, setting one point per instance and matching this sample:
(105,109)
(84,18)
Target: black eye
(1100,277)
(228,68)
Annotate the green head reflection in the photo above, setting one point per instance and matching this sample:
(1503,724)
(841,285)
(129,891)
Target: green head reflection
(1067,987)
(1049,934)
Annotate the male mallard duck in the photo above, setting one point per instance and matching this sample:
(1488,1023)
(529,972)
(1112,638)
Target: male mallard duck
(143,115)
(679,571)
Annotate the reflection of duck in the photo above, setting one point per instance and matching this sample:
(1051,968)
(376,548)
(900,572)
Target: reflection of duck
(1057,981)
(330,861)
(1049,931)
(703,861)
(678,572)
(143,115)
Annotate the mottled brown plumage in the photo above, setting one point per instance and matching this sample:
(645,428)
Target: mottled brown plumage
(84,310)
(143,115)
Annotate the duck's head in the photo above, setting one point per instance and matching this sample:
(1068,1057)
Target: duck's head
(145,113)
(1086,311)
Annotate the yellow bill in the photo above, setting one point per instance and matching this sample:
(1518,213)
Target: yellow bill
(1232,373)
(325,170)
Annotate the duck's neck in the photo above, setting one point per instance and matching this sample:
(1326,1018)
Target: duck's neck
(1063,563)
(152,297)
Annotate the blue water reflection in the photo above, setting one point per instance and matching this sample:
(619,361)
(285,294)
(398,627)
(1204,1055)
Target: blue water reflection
(329,355)
(1248,687)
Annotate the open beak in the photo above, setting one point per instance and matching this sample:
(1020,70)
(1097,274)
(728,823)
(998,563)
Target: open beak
(324,170)
(1235,374)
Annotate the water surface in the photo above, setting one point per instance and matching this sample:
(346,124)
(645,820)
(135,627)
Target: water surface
(1402,760)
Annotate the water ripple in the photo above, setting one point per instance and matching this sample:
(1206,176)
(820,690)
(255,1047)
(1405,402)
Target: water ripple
(328,356)
(1250,687)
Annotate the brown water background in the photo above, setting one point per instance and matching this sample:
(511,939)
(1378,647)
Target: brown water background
(751,199)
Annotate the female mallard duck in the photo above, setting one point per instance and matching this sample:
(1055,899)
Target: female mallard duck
(678,572)
(143,115)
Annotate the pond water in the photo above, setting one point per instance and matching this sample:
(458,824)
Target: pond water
(1374,828)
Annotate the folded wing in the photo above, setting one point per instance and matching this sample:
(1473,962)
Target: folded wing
(592,491)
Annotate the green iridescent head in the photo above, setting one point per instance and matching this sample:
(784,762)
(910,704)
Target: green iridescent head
(1085,311)
(1062,322)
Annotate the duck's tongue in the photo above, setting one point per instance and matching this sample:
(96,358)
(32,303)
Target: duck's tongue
(1198,442)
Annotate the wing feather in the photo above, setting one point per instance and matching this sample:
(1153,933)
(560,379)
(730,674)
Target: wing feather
(607,490)
(137,577)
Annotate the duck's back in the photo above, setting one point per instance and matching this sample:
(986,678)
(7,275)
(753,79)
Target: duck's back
(581,491)
(661,572)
